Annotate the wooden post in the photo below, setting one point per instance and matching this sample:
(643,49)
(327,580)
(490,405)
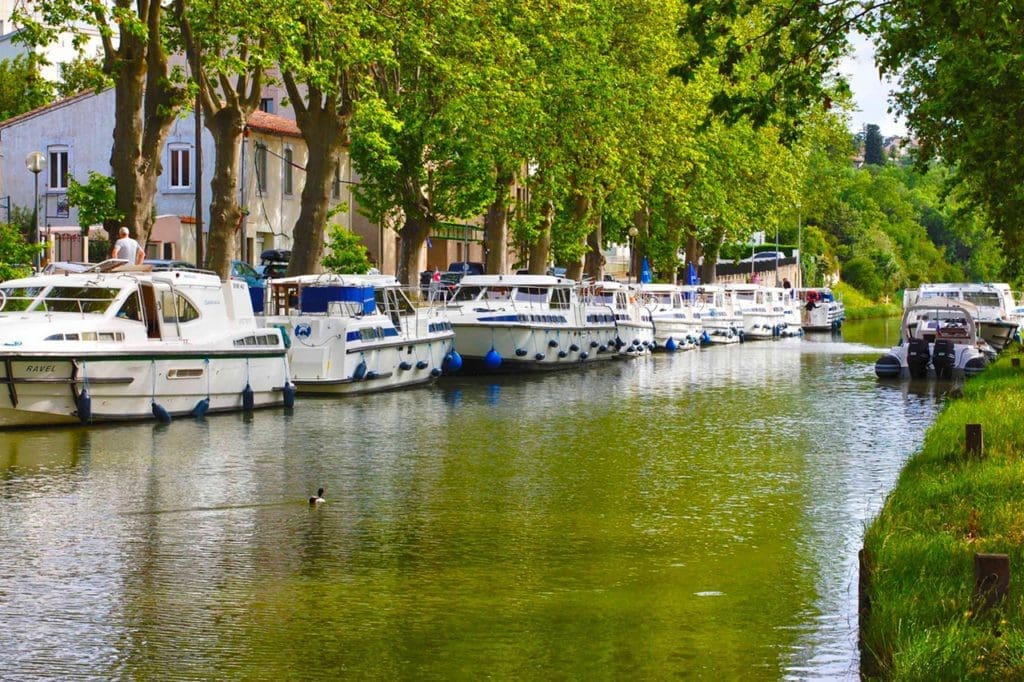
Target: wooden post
(1015,362)
(991,579)
(975,440)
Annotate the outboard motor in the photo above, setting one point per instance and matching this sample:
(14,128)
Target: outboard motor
(944,358)
(918,358)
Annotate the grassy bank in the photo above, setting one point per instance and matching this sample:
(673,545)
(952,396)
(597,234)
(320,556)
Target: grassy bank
(860,307)
(946,507)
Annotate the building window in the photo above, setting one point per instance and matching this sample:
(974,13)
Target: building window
(59,169)
(261,168)
(267,105)
(286,174)
(181,167)
(336,185)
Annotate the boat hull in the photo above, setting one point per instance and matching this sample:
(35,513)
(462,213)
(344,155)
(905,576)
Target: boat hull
(920,361)
(337,355)
(38,389)
(521,347)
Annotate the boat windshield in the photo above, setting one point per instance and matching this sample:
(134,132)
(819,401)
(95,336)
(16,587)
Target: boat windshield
(983,299)
(20,298)
(94,300)
(532,294)
(467,293)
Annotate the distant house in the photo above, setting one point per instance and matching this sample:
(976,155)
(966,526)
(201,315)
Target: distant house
(74,136)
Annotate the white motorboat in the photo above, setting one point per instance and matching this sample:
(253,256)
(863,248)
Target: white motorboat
(820,311)
(994,302)
(783,300)
(358,334)
(722,322)
(939,338)
(634,328)
(763,316)
(677,323)
(130,343)
(527,322)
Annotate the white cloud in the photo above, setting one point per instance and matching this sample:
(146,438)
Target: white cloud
(870,93)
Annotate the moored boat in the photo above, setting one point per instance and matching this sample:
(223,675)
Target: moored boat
(133,344)
(634,330)
(994,304)
(358,334)
(722,322)
(820,311)
(763,316)
(939,339)
(508,323)
(677,323)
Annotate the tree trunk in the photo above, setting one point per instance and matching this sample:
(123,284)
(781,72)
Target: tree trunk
(144,109)
(595,261)
(413,234)
(496,224)
(711,246)
(324,133)
(541,247)
(226,125)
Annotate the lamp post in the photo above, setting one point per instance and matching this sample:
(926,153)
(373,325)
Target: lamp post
(633,232)
(799,247)
(36,162)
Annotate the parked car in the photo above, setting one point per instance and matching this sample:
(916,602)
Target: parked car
(765,255)
(556,271)
(242,270)
(451,276)
(168,264)
(274,263)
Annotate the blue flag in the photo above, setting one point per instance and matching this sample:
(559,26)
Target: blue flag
(645,271)
(691,275)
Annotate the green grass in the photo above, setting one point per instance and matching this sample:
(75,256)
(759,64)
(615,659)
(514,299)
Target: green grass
(945,508)
(860,307)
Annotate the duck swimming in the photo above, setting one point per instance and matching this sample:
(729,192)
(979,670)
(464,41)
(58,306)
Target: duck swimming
(318,498)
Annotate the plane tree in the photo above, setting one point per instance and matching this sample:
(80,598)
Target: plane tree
(225,42)
(326,59)
(416,144)
(148,93)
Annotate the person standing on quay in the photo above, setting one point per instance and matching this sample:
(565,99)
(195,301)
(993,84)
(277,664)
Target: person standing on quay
(127,248)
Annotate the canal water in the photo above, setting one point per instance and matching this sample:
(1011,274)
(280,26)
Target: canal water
(695,515)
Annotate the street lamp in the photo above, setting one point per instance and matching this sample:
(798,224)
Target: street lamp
(36,162)
(633,232)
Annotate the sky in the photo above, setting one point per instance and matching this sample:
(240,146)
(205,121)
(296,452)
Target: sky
(870,94)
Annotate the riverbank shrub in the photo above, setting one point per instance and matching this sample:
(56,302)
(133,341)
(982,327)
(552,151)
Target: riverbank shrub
(860,307)
(946,507)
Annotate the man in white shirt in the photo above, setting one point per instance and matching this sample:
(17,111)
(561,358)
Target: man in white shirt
(127,248)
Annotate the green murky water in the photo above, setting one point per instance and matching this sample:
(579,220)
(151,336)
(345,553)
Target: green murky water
(694,515)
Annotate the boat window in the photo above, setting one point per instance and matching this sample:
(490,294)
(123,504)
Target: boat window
(560,297)
(131,308)
(531,294)
(393,300)
(497,294)
(983,299)
(94,300)
(177,308)
(20,298)
(467,293)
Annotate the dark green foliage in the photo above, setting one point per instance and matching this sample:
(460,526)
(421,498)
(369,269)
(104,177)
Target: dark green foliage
(80,74)
(17,253)
(22,88)
(874,154)
(346,253)
(96,201)
(861,273)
